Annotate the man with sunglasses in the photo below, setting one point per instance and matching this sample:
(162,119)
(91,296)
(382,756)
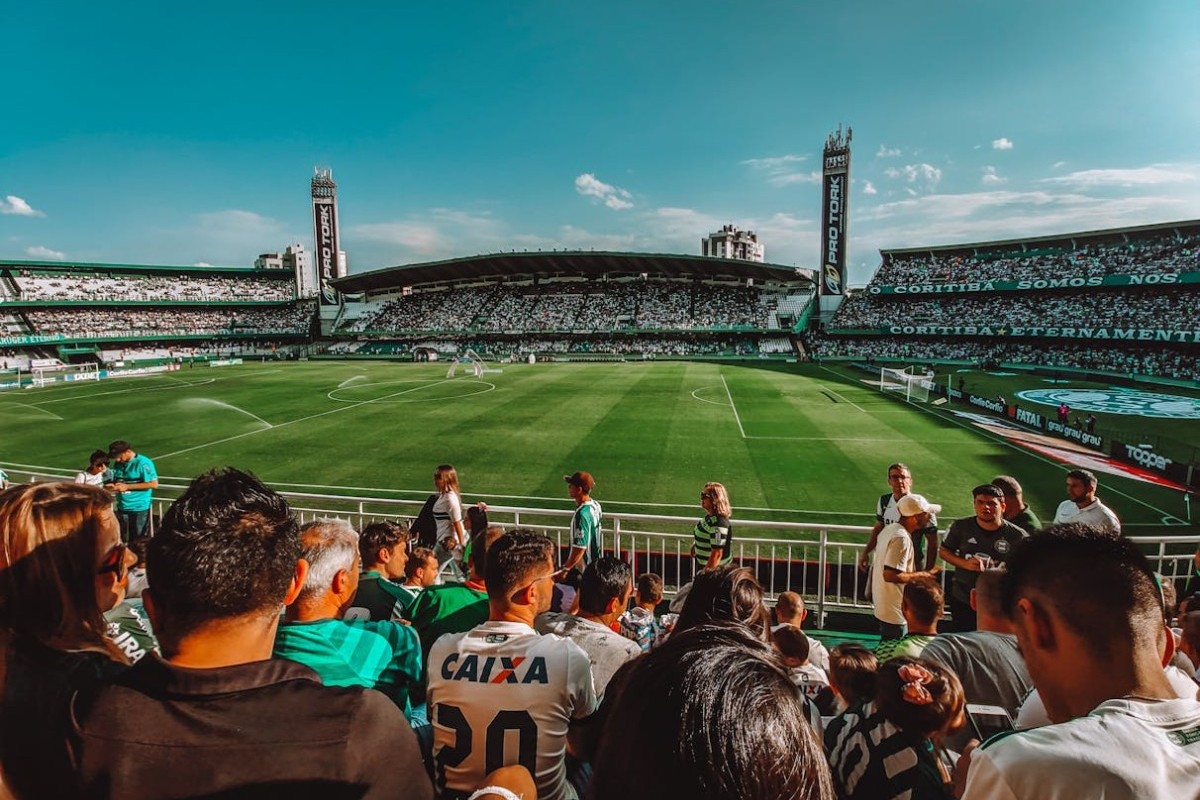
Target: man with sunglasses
(501,694)
(899,478)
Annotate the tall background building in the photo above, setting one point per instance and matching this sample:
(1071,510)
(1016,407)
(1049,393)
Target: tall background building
(299,261)
(729,242)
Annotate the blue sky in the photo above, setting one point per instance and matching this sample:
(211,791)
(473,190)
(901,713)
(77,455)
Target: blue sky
(142,133)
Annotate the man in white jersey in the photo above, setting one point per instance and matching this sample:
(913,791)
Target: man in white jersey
(501,694)
(1088,617)
(1082,505)
(886,512)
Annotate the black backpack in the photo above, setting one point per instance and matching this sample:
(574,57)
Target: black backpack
(424,527)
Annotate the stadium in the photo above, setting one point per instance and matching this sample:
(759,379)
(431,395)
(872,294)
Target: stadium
(640,378)
(656,373)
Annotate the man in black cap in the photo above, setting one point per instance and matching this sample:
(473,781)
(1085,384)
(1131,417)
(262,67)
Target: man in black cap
(585,527)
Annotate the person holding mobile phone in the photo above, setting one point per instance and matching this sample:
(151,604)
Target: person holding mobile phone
(1088,617)
(974,544)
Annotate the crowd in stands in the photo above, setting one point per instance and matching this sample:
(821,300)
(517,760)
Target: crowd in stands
(1159,254)
(1173,309)
(1171,362)
(105,322)
(181,287)
(518,348)
(577,306)
(238,653)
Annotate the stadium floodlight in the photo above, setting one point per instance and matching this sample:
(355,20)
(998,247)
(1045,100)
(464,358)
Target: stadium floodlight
(907,381)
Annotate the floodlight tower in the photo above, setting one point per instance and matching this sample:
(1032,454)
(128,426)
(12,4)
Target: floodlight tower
(325,231)
(835,214)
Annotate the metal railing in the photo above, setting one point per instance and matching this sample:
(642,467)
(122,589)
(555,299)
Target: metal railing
(818,561)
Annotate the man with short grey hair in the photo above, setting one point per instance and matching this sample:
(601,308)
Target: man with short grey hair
(1083,507)
(381,655)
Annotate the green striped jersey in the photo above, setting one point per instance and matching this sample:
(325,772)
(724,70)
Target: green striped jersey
(378,655)
(714,531)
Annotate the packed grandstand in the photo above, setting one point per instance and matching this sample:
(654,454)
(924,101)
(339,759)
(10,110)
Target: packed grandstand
(720,694)
(1120,301)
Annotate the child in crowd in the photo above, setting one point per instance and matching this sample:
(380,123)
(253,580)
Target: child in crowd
(810,680)
(851,674)
(639,623)
(887,747)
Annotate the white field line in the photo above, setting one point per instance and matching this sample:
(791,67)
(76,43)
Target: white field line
(28,405)
(1044,459)
(839,394)
(734,407)
(90,395)
(294,421)
(705,400)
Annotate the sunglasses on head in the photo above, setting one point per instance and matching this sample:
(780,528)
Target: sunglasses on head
(114,561)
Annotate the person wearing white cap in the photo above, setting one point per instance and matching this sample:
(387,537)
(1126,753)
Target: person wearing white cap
(894,563)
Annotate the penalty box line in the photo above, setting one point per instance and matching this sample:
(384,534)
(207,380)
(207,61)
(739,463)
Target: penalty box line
(301,419)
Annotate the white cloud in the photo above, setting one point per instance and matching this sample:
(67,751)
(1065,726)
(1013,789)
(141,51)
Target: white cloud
(992,178)
(869,188)
(1153,175)
(926,176)
(1002,144)
(45,253)
(774,162)
(202,264)
(614,197)
(887,152)
(17,206)
(1058,164)
(780,170)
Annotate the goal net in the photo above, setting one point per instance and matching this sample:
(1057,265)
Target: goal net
(909,382)
(46,375)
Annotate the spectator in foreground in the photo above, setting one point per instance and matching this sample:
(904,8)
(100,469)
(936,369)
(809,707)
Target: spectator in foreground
(894,563)
(383,550)
(503,676)
(1015,509)
(886,747)
(133,480)
(708,715)
(603,597)
(811,681)
(790,610)
(922,608)
(216,715)
(455,607)
(1082,505)
(382,655)
(728,594)
(852,669)
(1088,618)
(985,660)
(639,623)
(62,566)
(974,544)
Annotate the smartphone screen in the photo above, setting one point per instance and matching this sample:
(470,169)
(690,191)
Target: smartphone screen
(987,721)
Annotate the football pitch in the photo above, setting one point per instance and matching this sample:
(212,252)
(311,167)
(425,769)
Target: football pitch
(800,443)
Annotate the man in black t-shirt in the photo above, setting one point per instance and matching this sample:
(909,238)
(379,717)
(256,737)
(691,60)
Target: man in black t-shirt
(974,544)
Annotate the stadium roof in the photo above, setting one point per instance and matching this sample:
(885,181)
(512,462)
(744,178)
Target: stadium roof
(565,263)
(1188,227)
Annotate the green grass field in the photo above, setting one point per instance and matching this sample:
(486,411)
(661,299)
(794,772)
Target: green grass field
(792,442)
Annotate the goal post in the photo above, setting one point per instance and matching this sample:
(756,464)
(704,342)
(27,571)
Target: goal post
(907,381)
(46,375)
